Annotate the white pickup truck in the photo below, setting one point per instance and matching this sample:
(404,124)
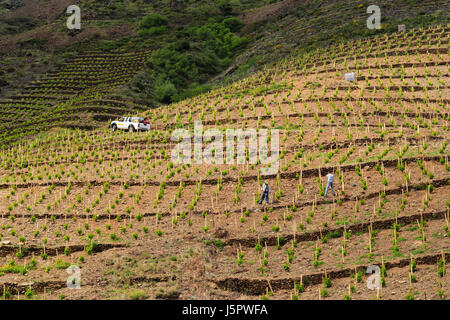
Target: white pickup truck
(131,124)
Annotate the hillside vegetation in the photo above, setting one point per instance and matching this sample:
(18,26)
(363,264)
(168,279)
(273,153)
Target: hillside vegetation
(142,226)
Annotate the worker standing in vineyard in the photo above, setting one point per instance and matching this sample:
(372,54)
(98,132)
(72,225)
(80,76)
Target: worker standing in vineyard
(330,180)
(265,192)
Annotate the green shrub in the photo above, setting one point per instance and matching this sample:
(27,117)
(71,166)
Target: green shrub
(165,90)
(146,33)
(153,20)
(233,24)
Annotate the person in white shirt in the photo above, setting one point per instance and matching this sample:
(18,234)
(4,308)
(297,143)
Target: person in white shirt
(265,192)
(330,180)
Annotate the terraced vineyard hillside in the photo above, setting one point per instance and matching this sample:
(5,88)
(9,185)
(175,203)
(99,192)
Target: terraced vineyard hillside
(140,226)
(71,97)
(297,26)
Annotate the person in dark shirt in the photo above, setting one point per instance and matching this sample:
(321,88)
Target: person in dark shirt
(265,192)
